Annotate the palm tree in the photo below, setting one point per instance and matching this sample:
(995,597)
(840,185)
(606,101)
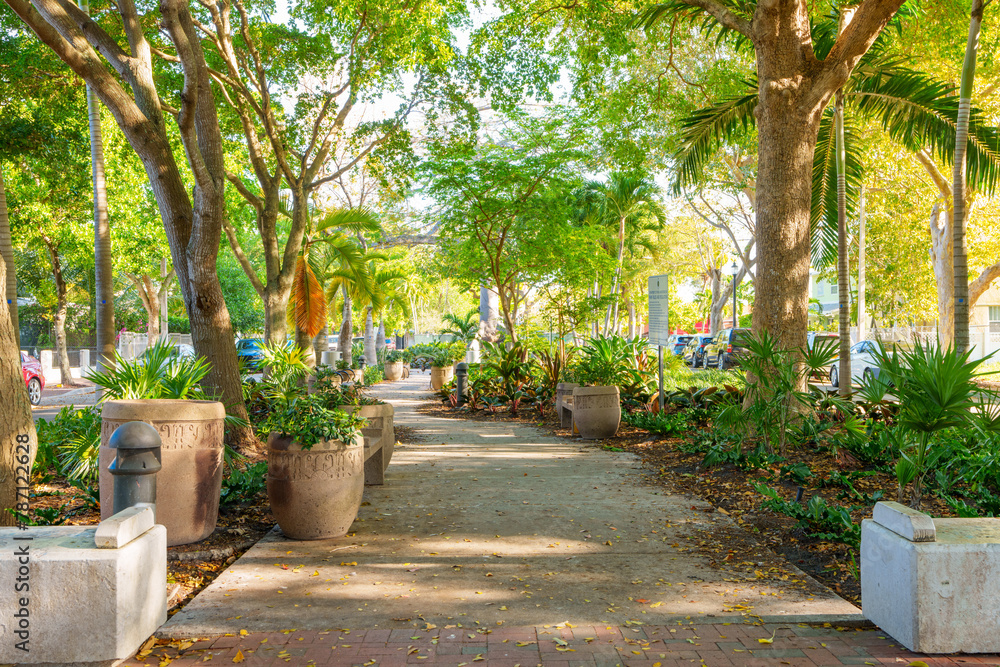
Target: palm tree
(630,203)
(465,327)
(329,253)
(914,109)
(960,257)
(104,294)
(385,291)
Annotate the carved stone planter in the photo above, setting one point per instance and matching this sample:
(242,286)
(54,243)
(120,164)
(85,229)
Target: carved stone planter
(597,411)
(315,494)
(393,370)
(379,425)
(188,486)
(440,376)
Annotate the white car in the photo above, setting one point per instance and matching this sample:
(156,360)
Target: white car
(863,363)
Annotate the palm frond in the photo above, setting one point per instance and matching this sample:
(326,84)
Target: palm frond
(823,216)
(920,111)
(351,219)
(308,300)
(698,17)
(705,130)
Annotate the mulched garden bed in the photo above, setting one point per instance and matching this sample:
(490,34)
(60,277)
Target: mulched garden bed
(729,489)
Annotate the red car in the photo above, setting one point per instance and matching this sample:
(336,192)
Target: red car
(33,378)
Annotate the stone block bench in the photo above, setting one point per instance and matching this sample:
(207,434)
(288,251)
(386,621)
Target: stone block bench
(374,457)
(933,584)
(564,403)
(82,595)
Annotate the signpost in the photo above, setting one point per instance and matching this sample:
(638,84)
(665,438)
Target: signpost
(659,320)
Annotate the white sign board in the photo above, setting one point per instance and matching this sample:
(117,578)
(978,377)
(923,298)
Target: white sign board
(659,309)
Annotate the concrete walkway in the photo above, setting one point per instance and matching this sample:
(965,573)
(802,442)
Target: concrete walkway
(493,542)
(496,522)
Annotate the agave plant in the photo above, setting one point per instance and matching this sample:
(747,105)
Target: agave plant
(936,390)
(158,373)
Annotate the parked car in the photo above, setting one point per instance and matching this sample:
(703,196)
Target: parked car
(695,349)
(813,336)
(678,344)
(863,364)
(724,350)
(31,369)
(248,351)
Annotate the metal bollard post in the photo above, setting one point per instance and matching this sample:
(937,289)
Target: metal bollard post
(137,460)
(461,375)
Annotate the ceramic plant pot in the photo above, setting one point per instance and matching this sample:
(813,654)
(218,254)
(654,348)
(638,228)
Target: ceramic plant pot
(188,486)
(597,411)
(440,376)
(394,371)
(315,494)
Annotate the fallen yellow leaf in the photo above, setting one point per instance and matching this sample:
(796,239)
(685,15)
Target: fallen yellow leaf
(239,657)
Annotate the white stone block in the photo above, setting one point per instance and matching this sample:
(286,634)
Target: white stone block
(84,605)
(904,521)
(53,376)
(85,360)
(45,358)
(119,529)
(934,597)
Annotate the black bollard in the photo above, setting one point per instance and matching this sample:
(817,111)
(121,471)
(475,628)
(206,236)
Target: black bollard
(137,460)
(461,375)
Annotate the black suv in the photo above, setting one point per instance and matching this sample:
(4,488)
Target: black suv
(724,350)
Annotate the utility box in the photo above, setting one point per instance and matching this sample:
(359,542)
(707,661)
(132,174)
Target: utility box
(933,584)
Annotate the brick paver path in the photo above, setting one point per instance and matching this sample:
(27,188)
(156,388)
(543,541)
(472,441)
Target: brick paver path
(663,645)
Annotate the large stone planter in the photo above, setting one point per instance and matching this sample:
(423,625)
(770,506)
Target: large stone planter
(379,425)
(440,376)
(188,486)
(315,494)
(597,411)
(393,370)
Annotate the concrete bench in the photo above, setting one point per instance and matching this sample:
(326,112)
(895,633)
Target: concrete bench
(564,403)
(374,456)
(88,594)
(933,584)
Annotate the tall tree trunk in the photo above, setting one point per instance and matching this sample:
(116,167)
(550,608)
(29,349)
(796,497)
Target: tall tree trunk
(787,139)
(104,288)
(305,343)
(7,257)
(321,343)
(631,320)
(489,314)
(961,257)
(59,316)
(346,332)
(151,299)
(17,428)
(944,273)
(380,337)
(843,266)
(618,274)
(718,302)
(275,317)
(370,358)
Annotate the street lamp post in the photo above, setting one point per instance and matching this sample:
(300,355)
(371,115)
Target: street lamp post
(734,270)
